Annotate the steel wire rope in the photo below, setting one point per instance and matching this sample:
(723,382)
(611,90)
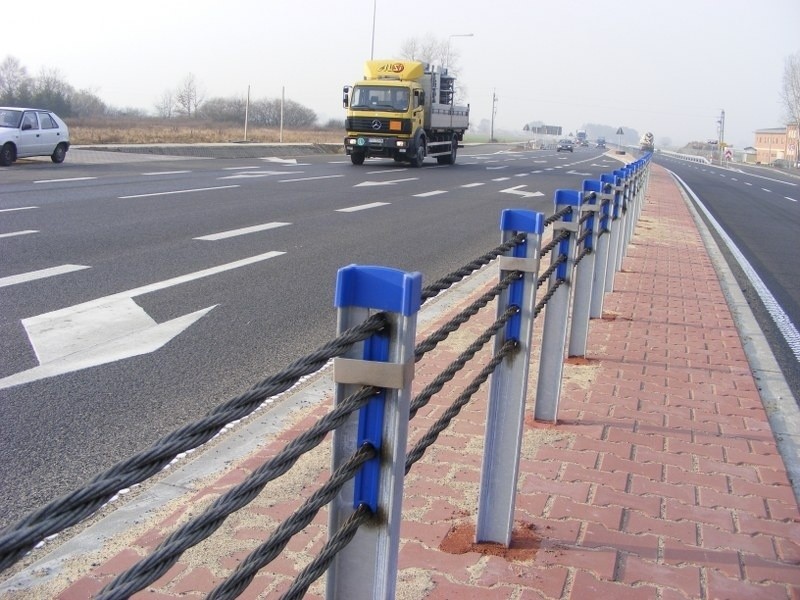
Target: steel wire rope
(73,507)
(582,254)
(447,281)
(441,334)
(317,567)
(441,424)
(547,248)
(245,571)
(546,298)
(150,568)
(556,216)
(454,367)
(562,258)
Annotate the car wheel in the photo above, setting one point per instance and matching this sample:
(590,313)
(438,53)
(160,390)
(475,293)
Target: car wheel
(7,155)
(59,154)
(357,158)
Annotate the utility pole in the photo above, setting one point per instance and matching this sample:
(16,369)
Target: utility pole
(720,145)
(494,110)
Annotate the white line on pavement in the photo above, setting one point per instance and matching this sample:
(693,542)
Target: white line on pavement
(213,237)
(309,178)
(208,189)
(165,172)
(20,208)
(40,274)
(362,207)
(63,180)
(471,185)
(16,233)
(433,193)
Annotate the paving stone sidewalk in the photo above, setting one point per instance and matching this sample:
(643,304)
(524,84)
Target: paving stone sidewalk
(661,479)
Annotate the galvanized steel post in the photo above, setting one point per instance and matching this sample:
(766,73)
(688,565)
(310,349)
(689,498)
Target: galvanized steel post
(605,198)
(616,229)
(367,567)
(584,274)
(509,382)
(554,334)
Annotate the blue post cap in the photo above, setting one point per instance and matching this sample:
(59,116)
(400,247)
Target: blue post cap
(568,198)
(382,288)
(518,219)
(592,185)
(609,178)
(621,173)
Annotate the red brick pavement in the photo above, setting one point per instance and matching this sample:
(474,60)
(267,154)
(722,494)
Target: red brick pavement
(661,479)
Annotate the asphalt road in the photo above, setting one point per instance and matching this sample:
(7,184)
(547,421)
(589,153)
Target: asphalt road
(138,293)
(759,209)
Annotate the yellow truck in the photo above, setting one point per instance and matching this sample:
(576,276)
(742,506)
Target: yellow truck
(404,110)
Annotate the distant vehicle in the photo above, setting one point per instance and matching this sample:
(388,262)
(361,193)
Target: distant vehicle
(28,132)
(581,139)
(601,143)
(647,143)
(564,145)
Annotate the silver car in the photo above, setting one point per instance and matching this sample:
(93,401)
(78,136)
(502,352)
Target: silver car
(28,132)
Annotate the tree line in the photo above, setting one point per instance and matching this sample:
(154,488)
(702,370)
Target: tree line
(50,90)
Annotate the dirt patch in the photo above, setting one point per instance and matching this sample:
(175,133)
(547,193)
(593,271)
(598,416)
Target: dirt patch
(524,542)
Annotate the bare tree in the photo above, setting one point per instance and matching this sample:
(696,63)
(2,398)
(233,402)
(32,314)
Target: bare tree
(13,77)
(790,92)
(188,97)
(165,105)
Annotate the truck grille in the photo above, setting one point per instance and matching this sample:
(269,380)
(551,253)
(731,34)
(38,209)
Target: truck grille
(377,125)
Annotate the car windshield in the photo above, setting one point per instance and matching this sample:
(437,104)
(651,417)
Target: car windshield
(10,118)
(380,98)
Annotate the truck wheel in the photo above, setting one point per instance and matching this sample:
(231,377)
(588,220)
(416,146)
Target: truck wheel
(450,159)
(357,158)
(59,154)
(7,155)
(419,156)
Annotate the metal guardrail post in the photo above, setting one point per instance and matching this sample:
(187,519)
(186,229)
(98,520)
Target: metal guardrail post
(367,567)
(624,217)
(584,275)
(603,226)
(509,382)
(554,333)
(615,227)
(630,214)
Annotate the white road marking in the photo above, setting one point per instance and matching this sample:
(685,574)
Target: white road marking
(20,208)
(165,173)
(208,189)
(239,168)
(387,172)
(107,329)
(471,185)
(277,159)
(64,180)
(766,190)
(390,182)
(517,191)
(256,174)
(17,233)
(309,178)
(362,207)
(788,198)
(433,193)
(501,178)
(40,274)
(213,237)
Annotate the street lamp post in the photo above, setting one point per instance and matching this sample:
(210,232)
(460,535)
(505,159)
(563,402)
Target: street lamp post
(449,37)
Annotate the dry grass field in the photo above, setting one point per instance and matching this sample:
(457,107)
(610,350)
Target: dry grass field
(157,131)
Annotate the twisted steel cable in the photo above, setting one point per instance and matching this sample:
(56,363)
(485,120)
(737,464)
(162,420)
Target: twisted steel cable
(79,504)
(237,581)
(150,568)
(553,243)
(454,367)
(448,280)
(441,424)
(556,216)
(546,298)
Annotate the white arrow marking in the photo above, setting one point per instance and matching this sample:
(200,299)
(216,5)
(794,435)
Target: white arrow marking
(515,190)
(106,329)
(390,182)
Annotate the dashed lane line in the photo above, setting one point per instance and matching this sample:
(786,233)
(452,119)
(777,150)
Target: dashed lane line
(40,274)
(362,207)
(208,189)
(18,233)
(428,194)
(222,235)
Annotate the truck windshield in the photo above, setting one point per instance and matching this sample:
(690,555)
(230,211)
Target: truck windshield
(370,97)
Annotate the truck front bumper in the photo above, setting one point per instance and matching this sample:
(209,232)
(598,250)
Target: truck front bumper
(375,146)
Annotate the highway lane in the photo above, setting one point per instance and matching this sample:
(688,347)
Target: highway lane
(759,209)
(244,253)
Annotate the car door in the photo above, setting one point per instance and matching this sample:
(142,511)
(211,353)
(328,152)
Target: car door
(30,140)
(49,133)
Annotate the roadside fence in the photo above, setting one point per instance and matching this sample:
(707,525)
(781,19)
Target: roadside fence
(374,357)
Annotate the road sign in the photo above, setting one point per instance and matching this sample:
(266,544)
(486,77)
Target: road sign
(728,154)
(620,132)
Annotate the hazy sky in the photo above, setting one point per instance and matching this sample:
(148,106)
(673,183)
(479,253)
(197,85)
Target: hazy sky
(667,66)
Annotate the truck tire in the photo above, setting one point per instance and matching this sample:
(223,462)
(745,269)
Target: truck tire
(419,156)
(357,158)
(450,159)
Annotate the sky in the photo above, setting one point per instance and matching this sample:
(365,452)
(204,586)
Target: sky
(666,66)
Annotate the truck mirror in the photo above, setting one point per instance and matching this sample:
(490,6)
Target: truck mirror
(420,94)
(346,96)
